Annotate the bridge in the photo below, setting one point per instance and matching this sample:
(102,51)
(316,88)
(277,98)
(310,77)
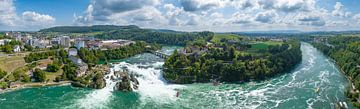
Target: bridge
(159,54)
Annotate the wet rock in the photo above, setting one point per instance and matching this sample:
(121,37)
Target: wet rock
(124,86)
(135,82)
(127,83)
(98,82)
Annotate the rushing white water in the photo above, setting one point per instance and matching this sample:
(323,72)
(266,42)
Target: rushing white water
(97,98)
(151,82)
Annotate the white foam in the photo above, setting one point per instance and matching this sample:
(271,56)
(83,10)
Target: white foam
(151,83)
(97,98)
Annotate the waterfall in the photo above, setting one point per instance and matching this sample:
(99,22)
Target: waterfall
(98,98)
(151,83)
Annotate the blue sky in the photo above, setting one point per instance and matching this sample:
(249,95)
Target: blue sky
(184,15)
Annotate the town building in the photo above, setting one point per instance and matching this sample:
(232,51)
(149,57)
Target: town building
(2,42)
(55,41)
(79,44)
(82,67)
(7,34)
(17,48)
(94,45)
(72,52)
(65,41)
(37,43)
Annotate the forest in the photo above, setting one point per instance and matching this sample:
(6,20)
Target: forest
(35,56)
(92,57)
(134,33)
(228,65)
(168,38)
(345,50)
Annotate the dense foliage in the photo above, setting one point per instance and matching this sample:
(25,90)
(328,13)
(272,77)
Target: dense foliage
(346,52)
(52,68)
(35,56)
(9,46)
(2,74)
(134,33)
(224,64)
(170,38)
(39,75)
(94,56)
(69,71)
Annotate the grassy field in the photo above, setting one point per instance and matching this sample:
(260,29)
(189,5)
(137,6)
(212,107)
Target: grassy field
(52,75)
(10,63)
(218,37)
(256,46)
(49,75)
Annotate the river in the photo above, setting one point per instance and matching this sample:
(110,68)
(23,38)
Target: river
(293,90)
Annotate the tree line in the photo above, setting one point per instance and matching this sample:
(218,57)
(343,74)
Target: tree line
(168,38)
(94,56)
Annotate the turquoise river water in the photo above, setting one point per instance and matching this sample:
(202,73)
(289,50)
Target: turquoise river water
(293,90)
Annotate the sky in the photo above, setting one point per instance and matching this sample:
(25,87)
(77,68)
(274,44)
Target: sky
(184,15)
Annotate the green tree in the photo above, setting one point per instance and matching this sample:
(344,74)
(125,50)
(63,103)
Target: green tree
(39,75)
(7,48)
(52,68)
(2,74)
(4,85)
(28,47)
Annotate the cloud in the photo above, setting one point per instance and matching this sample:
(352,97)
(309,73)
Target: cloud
(7,13)
(37,19)
(88,18)
(339,10)
(214,14)
(28,19)
(240,18)
(266,17)
(309,18)
(148,14)
(288,5)
(313,20)
(194,21)
(201,5)
(356,16)
(106,7)
(243,4)
(102,10)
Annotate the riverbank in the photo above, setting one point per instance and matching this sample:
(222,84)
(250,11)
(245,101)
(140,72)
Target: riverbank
(351,92)
(34,84)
